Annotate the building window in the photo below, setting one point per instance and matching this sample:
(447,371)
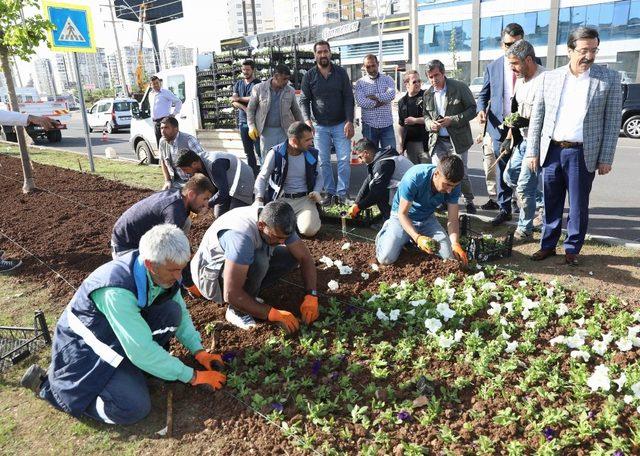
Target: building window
(535,25)
(434,38)
(614,20)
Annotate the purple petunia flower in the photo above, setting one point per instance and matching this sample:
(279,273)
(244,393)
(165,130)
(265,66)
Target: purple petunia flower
(334,376)
(618,453)
(548,434)
(228,356)
(277,406)
(591,414)
(404,416)
(315,367)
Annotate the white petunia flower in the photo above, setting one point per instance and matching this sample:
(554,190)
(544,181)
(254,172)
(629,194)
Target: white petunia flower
(488,286)
(522,284)
(530,324)
(458,335)
(375,267)
(445,341)
(364,275)
(418,302)
(628,398)
(621,381)
(508,306)
(557,340)
(562,309)
(381,315)
(636,389)
(580,321)
(333,285)
(394,314)
(503,321)
(550,292)
(577,340)
(636,316)
(580,354)
(345,270)
(511,347)
(403,284)
(439,282)
(346,246)
(446,311)
(624,344)
(479,276)
(373,298)
(599,379)
(432,325)
(495,308)
(411,312)
(338,263)
(328,262)
(451,293)
(599,347)
(505,336)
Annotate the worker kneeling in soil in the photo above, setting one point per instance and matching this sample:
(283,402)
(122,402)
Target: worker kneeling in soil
(242,253)
(168,206)
(290,173)
(231,176)
(117,328)
(422,189)
(385,168)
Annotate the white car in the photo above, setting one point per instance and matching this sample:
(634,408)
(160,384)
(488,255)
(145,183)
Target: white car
(476,86)
(111,114)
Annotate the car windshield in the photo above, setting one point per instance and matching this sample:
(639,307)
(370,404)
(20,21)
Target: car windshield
(122,106)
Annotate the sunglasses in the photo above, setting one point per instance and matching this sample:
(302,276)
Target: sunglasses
(508,44)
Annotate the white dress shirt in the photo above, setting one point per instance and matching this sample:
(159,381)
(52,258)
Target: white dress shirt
(13,118)
(507,89)
(440,96)
(161,103)
(572,108)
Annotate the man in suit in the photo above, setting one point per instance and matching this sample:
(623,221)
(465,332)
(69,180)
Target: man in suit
(499,81)
(448,108)
(573,132)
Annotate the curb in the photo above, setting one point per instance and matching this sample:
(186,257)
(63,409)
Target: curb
(608,240)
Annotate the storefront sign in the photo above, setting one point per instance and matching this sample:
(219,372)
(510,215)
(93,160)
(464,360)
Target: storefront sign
(345,29)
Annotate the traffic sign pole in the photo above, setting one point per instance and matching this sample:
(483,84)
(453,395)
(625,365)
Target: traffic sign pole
(83,109)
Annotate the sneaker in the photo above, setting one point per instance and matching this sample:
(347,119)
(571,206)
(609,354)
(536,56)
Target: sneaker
(500,218)
(442,208)
(327,200)
(471,208)
(33,378)
(236,318)
(9,265)
(338,200)
(522,236)
(490,205)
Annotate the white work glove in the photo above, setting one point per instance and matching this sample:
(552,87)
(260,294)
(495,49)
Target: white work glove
(315,197)
(167,185)
(258,203)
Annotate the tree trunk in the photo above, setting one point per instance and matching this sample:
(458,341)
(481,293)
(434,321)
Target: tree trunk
(27,172)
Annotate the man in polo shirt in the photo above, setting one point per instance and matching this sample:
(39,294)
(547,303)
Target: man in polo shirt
(422,189)
(161,102)
(240,100)
(168,206)
(327,94)
(246,250)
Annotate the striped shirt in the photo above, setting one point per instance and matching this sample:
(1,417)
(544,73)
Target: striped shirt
(383,87)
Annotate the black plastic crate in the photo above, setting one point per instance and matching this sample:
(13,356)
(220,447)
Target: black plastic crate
(365,217)
(16,343)
(481,247)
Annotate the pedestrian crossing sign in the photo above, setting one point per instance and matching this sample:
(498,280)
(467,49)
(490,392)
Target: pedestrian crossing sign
(72,27)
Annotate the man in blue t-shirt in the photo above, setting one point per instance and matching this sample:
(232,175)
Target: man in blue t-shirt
(240,100)
(422,189)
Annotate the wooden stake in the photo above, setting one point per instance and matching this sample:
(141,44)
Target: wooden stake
(170,410)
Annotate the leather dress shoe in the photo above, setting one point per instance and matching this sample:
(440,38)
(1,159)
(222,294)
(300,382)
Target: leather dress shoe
(543,254)
(571,259)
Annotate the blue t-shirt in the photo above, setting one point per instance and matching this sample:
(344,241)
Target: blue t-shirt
(244,90)
(239,248)
(415,187)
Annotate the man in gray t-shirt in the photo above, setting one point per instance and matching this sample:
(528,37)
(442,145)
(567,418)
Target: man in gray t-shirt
(290,173)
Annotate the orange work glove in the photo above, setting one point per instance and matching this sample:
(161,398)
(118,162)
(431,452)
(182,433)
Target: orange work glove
(425,243)
(353,211)
(286,319)
(212,378)
(459,252)
(208,360)
(309,309)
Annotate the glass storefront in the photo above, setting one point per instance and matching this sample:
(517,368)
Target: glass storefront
(436,38)
(535,25)
(614,20)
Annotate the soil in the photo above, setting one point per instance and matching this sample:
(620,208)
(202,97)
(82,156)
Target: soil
(67,224)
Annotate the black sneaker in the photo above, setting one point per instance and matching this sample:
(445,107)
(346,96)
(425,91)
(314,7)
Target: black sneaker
(327,200)
(500,218)
(490,205)
(9,265)
(33,378)
(471,208)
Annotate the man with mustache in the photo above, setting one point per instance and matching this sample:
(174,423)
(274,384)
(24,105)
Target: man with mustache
(326,90)
(573,131)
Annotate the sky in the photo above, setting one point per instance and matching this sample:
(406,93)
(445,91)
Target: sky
(204,24)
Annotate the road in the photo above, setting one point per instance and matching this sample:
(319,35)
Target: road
(615,198)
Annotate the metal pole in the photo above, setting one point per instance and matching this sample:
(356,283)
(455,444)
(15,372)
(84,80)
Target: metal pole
(156,47)
(83,110)
(415,50)
(115,34)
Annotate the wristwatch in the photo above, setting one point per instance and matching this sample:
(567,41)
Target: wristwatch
(312,293)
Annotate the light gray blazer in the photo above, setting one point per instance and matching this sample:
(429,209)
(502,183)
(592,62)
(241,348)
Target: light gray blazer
(601,123)
(260,102)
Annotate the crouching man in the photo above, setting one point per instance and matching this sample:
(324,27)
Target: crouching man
(290,173)
(384,171)
(117,327)
(422,189)
(247,250)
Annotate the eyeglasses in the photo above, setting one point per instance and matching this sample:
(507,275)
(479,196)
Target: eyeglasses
(586,51)
(508,44)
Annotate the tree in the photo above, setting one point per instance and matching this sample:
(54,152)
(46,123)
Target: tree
(454,72)
(19,37)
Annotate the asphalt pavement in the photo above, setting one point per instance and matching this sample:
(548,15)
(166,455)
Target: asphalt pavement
(615,198)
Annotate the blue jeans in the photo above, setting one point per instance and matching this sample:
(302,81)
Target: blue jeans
(527,185)
(324,136)
(251,149)
(392,238)
(381,137)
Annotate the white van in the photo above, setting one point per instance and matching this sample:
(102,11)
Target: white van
(182,82)
(111,114)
